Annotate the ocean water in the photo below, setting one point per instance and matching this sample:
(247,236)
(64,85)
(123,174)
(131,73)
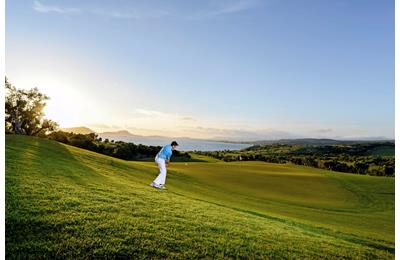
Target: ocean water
(209,146)
(184,144)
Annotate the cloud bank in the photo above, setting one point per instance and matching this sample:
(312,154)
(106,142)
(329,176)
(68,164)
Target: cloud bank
(42,8)
(226,8)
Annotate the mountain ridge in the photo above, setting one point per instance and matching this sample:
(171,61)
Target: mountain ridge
(292,141)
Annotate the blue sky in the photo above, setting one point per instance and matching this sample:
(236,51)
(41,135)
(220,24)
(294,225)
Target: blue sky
(238,69)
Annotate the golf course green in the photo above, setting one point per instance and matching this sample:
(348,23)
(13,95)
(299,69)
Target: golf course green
(66,202)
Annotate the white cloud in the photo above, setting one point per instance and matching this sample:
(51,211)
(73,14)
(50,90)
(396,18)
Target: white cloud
(232,7)
(146,118)
(147,112)
(324,130)
(187,118)
(115,14)
(131,14)
(239,134)
(42,8)
(125,14)
(152,113)
(236,7)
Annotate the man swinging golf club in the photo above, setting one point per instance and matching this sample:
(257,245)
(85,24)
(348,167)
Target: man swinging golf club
(162,160)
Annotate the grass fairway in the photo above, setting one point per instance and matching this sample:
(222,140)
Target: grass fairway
(65,202)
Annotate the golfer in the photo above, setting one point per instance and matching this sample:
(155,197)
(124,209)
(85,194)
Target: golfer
(162,160)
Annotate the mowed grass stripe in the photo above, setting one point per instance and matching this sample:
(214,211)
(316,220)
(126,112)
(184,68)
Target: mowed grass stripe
(365,210)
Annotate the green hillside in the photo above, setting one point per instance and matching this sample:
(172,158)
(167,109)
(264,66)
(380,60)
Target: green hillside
(65,202)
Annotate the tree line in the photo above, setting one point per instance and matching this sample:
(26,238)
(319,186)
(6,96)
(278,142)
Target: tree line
(353,158)
(118,149)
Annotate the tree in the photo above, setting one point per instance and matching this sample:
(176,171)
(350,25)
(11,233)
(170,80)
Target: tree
(59,136)
(389,171)
(24,111)
(361,167)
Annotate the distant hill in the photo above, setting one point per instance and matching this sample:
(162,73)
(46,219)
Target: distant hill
(126,136)
(78,130)
(185,143)
(86,130)
(313,141)
(117,133)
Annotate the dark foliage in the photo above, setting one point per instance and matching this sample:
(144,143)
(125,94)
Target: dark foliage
(359,158)
(118,149)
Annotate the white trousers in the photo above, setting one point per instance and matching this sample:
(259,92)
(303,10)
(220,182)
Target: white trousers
(160,180)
